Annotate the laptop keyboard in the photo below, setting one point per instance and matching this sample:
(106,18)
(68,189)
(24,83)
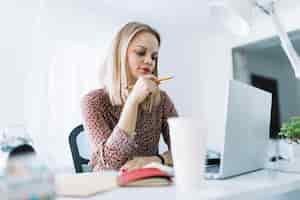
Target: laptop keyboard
(212,169)
(212,162)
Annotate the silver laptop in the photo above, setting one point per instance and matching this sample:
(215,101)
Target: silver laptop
(246,134)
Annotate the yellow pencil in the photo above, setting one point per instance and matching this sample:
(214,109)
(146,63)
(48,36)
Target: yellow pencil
(158,81)
(165,78)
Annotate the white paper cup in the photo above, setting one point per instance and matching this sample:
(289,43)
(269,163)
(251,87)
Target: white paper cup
(188,144)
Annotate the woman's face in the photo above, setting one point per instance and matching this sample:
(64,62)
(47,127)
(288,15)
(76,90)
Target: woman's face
(142,55)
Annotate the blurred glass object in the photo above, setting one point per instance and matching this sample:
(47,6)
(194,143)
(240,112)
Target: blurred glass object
(10,138)
(23,175)
(26,177)
(13,136)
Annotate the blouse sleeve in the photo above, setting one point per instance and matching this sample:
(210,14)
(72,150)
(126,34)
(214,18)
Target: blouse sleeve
(111,147)
(169,110)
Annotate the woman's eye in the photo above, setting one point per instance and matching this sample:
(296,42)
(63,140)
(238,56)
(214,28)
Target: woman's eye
(140,53)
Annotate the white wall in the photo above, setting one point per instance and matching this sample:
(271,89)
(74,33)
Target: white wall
(61,45)
(16,26)
(66,53)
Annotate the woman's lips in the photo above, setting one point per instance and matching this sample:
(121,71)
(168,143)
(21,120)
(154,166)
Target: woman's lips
(145,70)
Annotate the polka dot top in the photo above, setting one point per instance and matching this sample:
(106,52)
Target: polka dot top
(111,146)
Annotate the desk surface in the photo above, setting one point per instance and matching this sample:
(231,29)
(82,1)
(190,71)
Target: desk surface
(253,185)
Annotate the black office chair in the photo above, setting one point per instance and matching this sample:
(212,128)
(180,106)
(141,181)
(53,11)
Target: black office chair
(80,163)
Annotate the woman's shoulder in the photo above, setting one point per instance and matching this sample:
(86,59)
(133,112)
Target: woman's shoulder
(167,105)
(164,95)
(165,98)
(95,96)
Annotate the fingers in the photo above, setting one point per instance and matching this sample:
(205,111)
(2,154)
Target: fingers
(132,165)
(152,78)
(148,83)
(152,83)
(152,87)
(128,165)
(144,87)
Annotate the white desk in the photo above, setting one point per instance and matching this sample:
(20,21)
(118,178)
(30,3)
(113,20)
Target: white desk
(263,184)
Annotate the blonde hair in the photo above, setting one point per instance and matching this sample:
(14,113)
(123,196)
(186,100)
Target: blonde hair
(116,69)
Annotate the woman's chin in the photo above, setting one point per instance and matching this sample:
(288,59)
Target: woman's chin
(141,74)
(144,73)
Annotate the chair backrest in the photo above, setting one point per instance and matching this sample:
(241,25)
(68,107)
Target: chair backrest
(80,149)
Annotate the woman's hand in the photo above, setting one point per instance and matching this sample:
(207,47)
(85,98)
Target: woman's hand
(139,162)
(143,87)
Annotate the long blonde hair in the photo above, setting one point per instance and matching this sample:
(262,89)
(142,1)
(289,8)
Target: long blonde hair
(116,68)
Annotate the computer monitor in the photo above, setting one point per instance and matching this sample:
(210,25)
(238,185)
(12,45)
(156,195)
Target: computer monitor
(263,64)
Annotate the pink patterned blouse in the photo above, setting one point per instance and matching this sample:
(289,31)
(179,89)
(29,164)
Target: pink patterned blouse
(111,146)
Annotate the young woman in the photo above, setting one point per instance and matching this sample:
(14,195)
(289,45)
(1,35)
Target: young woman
(126,118)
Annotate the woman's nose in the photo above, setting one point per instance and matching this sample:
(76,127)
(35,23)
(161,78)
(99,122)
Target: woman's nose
(148,60)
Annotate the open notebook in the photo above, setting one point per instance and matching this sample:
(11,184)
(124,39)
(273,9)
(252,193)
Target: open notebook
(87,184)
